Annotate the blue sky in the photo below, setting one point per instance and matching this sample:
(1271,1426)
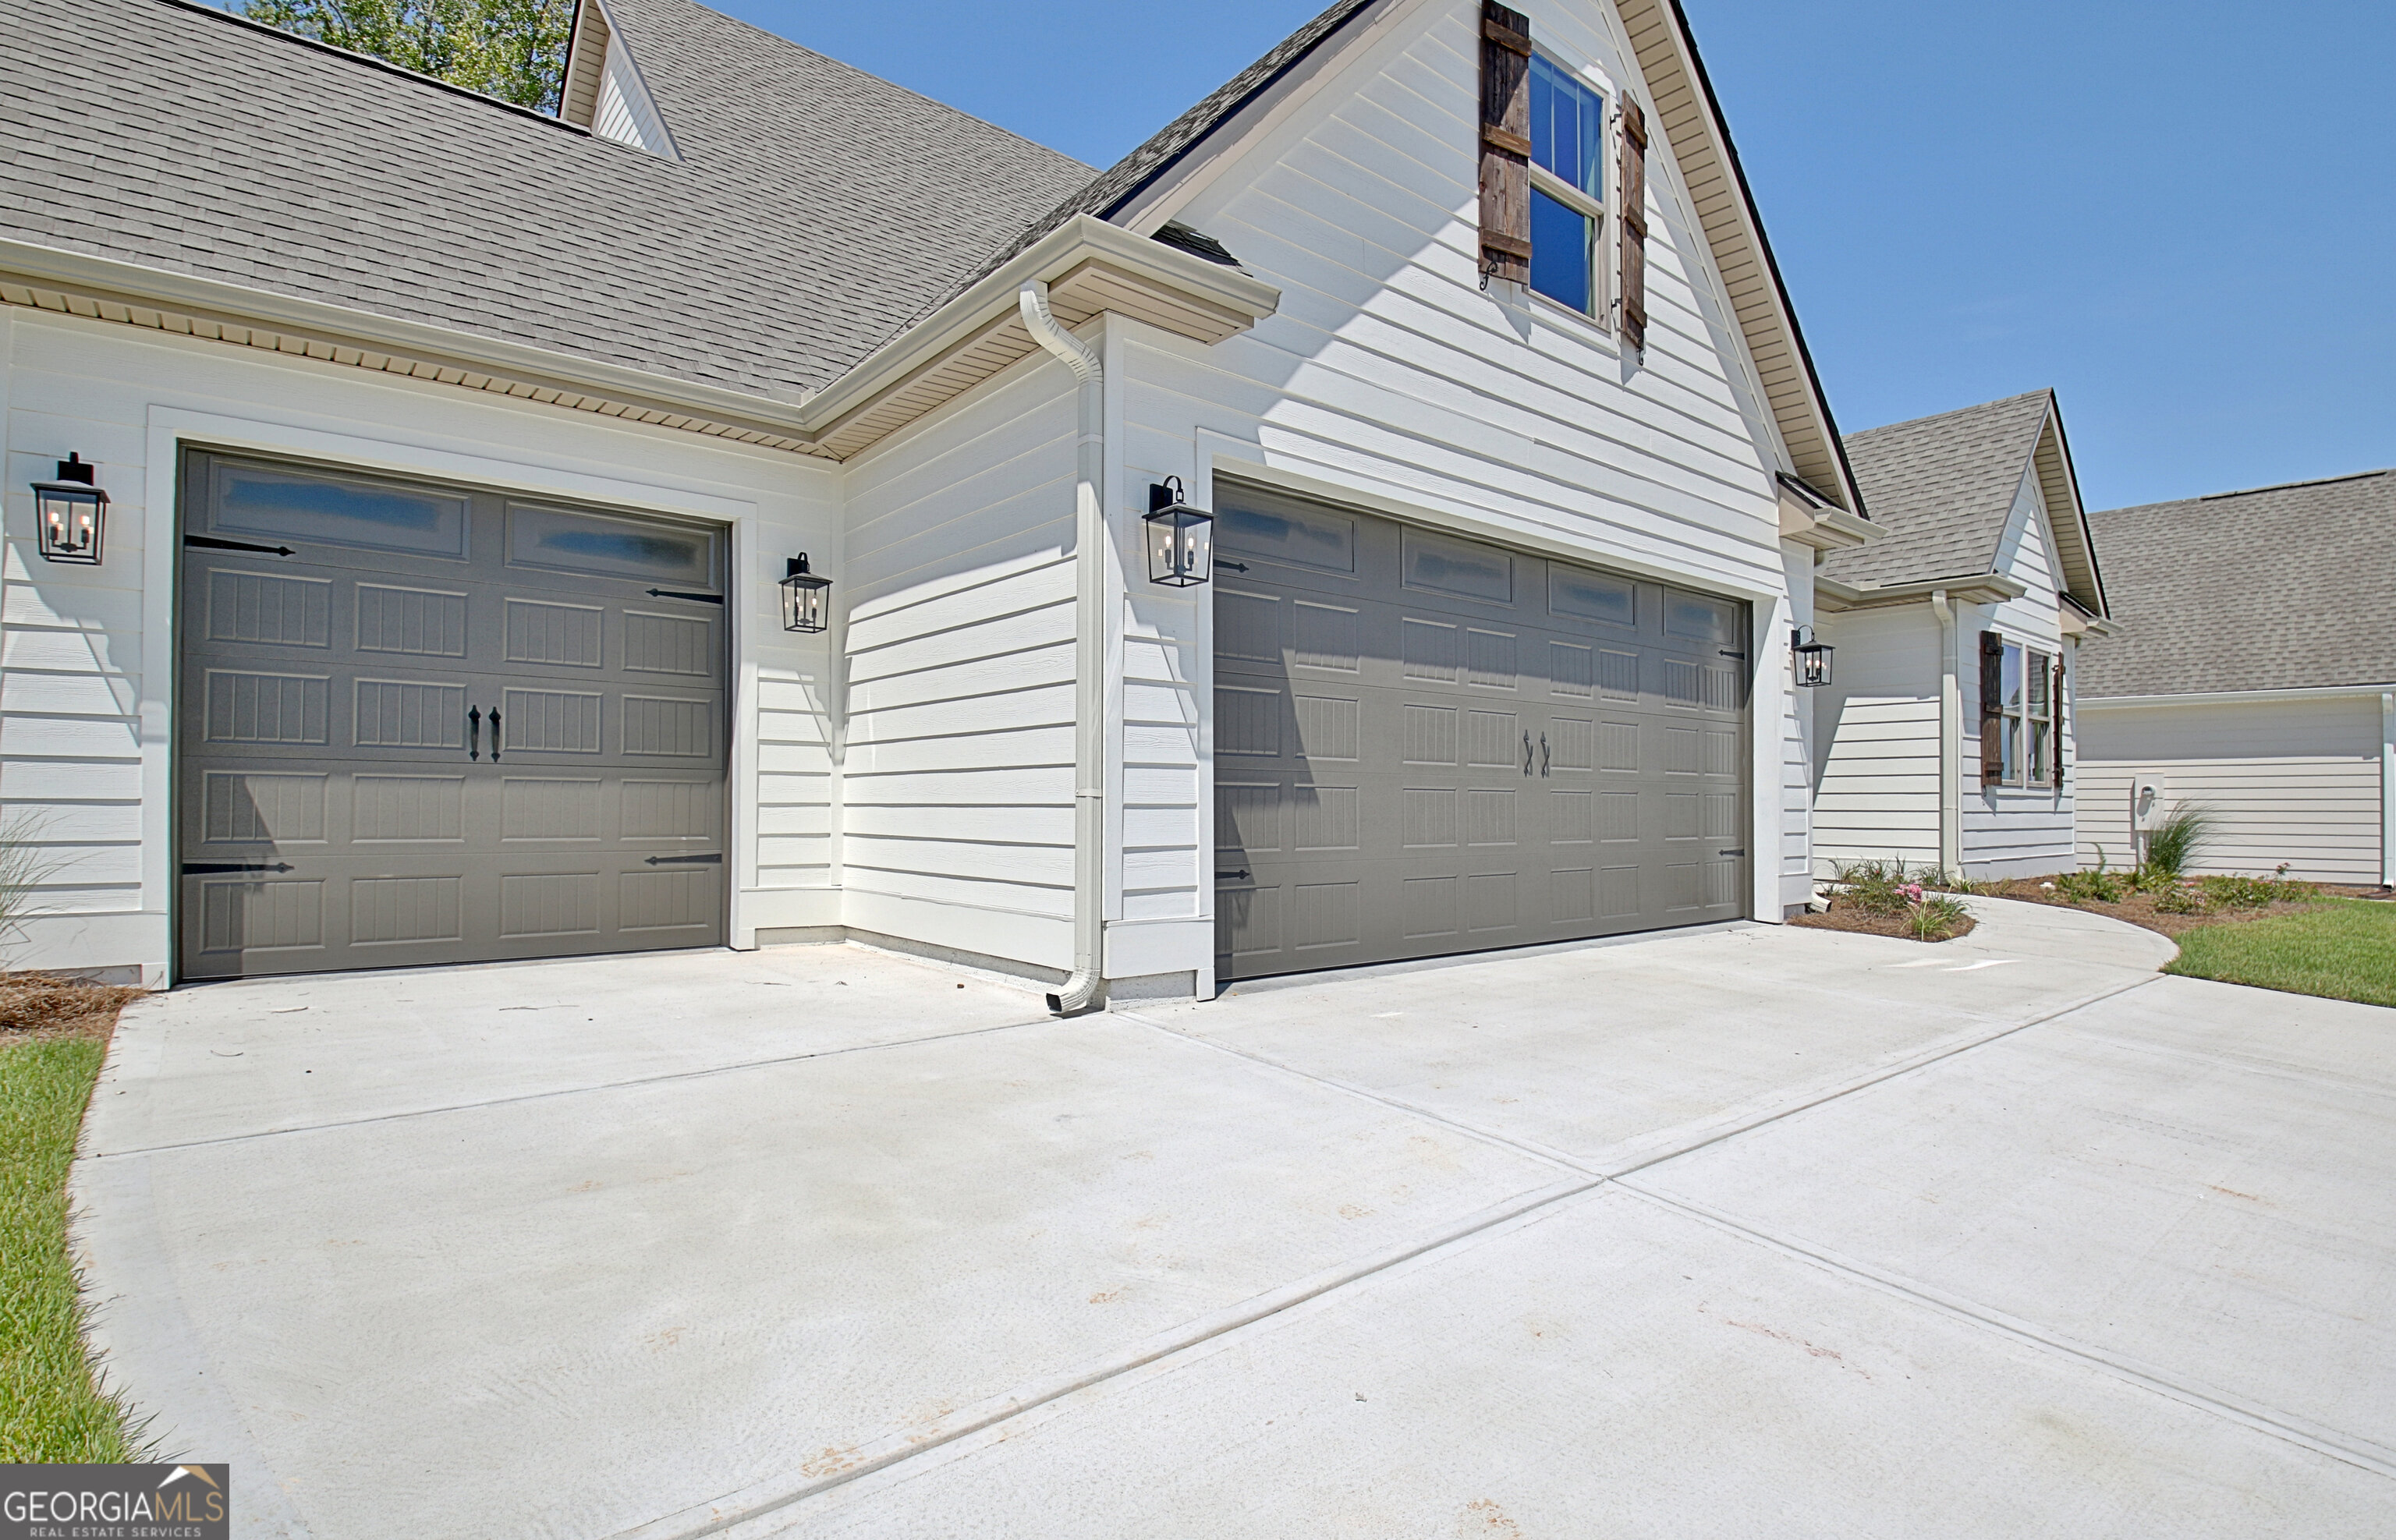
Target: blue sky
(2179,215)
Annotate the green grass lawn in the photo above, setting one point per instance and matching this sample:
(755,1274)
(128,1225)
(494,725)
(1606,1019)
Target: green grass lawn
(49,1409)
(2341,948)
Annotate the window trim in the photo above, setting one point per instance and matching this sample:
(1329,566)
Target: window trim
(1602,235)
(2016,723)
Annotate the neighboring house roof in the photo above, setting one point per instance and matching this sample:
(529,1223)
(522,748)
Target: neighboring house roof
(813,211)
(1944,487)
(2280,588)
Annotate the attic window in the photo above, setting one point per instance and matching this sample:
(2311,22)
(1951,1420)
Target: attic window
(1567,185)
(1197,243)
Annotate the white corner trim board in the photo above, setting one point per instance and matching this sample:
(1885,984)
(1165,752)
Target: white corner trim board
(2388,789)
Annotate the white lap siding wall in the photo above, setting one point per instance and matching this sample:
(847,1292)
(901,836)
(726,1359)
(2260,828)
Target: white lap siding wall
(957,761)
(1391,380)
(2016,830)
(2296,781)
(1878,726)
(87,652)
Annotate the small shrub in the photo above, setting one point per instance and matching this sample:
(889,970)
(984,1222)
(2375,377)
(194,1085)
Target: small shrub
(2255,892)
(2096,887)
(1936,918)
(2180,899)
(2175,842)
(1878,887)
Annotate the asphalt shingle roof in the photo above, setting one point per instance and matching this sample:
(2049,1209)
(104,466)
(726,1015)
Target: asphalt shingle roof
(2280,588)
(1942,486)
(816,208)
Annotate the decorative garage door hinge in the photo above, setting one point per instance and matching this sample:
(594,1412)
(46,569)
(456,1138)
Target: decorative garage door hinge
(684,860)
(212,543)
(212,869)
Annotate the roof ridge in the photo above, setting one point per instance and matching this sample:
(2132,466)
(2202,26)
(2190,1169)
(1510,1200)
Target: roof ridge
(2045,391)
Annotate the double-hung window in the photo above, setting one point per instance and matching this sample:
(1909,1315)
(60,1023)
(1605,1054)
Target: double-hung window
(2028,716)
(1567,187)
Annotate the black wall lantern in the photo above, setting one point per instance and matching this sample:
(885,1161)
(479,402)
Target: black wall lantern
(804,597)
(1181,540)
(1812,658)
(71,514)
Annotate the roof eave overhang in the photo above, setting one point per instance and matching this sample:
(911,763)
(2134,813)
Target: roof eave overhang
(1808,518)
(1693,122)
(1090,266)
(104,288)
(1986,588)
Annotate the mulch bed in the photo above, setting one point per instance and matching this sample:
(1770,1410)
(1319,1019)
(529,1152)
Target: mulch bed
(1845,916)
(41,1006)
(2138,909)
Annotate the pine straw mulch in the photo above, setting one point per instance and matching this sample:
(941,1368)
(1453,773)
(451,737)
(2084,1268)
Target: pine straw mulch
(43,1005)
(1845,916)
(2138,909)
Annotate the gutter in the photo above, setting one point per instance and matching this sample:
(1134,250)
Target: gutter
(1988,588)
(1081,990)
(1951,739)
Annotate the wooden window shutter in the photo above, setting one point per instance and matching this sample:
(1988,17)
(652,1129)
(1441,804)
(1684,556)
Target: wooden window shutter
(1633,198)
(1992,709)
(1505,143)
(2055,733)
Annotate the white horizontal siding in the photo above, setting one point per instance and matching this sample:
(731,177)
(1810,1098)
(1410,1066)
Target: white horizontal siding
(956,766)
(2294,781)
(1877,738)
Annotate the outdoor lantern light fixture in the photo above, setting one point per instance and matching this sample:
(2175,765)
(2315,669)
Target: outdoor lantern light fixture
(72,513)
(804,603)
(1812,658)
(1181,540)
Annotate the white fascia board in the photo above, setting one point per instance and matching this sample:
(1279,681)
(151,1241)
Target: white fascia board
(1986,587)
(993,298)
(2235,698)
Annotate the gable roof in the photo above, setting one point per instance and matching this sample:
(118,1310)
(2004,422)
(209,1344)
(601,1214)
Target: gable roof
(1692,123)
(1944,487)
(2279,588)
(183,139)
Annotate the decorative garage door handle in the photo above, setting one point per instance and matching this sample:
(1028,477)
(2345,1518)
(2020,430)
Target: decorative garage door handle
(1543,753)
(474,733)
(1526,750)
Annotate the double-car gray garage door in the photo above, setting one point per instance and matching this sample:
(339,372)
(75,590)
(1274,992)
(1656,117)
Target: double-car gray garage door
(429,723)
(1426,745)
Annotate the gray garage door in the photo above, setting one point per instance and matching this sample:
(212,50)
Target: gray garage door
(427,723)
(1428,745)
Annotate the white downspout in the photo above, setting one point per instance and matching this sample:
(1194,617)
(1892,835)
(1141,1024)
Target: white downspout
(1081,992)
(1951,741)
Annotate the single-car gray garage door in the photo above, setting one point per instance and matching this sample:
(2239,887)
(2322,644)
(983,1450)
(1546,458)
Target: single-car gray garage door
(429,723)
(1425,744)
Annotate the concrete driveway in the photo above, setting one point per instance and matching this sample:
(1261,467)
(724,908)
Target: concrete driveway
(1754,1232)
